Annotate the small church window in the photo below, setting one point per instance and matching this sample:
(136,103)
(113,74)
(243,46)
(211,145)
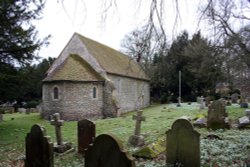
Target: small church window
(94,92)
(56,93)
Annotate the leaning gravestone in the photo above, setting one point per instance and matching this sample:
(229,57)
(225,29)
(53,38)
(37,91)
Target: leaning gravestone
(137,139)
(39,149)
(183,145)
(107,151)
(152,150)
(216,115)
(86,134)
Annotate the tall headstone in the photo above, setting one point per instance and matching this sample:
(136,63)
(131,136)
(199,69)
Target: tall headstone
(86,134)
(137,139)
(39,149)
(216,115)
(107,151)
(183,145)
(60,146)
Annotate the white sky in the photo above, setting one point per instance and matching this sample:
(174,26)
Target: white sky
(84,17)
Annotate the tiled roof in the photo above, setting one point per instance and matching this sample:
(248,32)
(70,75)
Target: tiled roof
(74,68)
(113,61)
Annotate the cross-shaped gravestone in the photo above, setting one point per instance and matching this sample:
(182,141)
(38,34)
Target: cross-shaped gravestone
(57,123)
(138,117)
(137,139)
(60,146)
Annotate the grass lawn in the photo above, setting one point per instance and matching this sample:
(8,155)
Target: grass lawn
(235,143)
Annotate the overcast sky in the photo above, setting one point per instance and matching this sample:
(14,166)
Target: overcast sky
(62,18)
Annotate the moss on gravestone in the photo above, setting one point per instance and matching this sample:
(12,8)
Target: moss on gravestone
(152,150)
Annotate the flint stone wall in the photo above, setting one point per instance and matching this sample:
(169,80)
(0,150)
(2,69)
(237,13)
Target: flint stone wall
(75,100)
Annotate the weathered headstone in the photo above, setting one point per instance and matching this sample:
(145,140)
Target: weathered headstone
(152,150)
(202,103)
(216,115)
(60,146)
(244,122)
(207,101)
(86,134)
(137,139)
(39,149)
(183,144)
(107,151)
(21,110)
(235,97)
(28,111)
(57,123)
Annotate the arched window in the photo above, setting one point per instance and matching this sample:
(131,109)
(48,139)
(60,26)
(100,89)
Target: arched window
(94,93)
(55,93)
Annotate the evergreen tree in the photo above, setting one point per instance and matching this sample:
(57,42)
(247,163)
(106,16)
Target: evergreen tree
(18,42)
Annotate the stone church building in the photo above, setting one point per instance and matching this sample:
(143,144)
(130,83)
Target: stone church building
(91,80)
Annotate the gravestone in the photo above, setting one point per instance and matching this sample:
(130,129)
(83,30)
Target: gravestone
(185,117)
(152,150)
(39,149)
(137,139)
(21,110)
(60,146)
(107,151)
(28,111)
(247,113)
(198,100)
(86,134)
(183,145)
(243,105)
(235,97)
(207,101)
(202,103)
(217,115)
(244,122)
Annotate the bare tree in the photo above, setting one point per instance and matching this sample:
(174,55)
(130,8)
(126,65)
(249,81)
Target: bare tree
(230,21)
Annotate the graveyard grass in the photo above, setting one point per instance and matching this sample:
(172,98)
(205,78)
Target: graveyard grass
(231,150)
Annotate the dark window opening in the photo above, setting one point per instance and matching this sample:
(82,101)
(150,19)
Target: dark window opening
(94,92)
(55,93)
